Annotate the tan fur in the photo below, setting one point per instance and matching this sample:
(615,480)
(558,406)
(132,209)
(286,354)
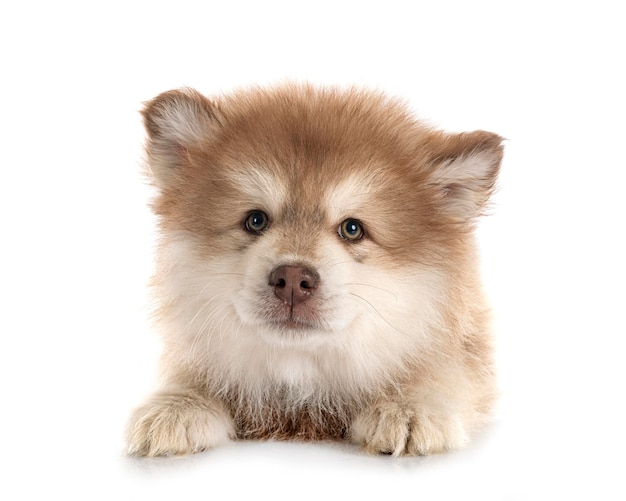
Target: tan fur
(391,349)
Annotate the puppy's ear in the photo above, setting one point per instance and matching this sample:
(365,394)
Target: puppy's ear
(465,171)
(176,121)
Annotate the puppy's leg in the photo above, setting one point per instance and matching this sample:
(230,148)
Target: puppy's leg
(408,428)
(178,421)
(432,416)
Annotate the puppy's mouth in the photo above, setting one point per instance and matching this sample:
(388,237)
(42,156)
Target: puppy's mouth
(287,317)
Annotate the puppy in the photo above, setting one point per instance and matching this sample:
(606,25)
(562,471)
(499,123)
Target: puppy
(316,275)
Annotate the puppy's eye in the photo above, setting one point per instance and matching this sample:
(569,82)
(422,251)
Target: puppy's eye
(257,221)
(351,229)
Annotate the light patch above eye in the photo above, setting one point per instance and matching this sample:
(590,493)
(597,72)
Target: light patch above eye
(260,187)
(352,195)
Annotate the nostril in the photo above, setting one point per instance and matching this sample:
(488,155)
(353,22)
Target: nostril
(280,283)
(309,279)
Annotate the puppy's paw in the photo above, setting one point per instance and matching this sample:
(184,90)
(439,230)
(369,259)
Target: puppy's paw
(392,428)
(178,423)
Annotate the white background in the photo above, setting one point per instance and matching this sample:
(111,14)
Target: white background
(76,350)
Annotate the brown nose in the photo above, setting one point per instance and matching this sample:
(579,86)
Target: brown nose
(293,284)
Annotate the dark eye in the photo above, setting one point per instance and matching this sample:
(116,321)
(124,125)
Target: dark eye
(257,221)
(350,229)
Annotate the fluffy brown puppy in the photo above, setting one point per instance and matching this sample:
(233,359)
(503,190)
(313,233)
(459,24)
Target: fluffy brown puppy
(317,272)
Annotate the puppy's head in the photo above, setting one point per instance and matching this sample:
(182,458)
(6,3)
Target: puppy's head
(298,214)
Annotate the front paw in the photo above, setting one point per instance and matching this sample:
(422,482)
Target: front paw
(392,428)
(177,423)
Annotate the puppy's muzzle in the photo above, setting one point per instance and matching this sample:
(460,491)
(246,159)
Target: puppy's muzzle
(293,284)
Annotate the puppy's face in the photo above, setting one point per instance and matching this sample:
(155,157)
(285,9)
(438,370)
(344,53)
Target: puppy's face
(314,257)
(303,216)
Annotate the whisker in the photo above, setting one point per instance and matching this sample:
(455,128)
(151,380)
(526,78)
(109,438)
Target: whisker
(212,314)
(378,313)
(374,287)
(200,333)
(339,263)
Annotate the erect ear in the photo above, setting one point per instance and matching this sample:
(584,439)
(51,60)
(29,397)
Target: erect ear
(465,171)
(176,121)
